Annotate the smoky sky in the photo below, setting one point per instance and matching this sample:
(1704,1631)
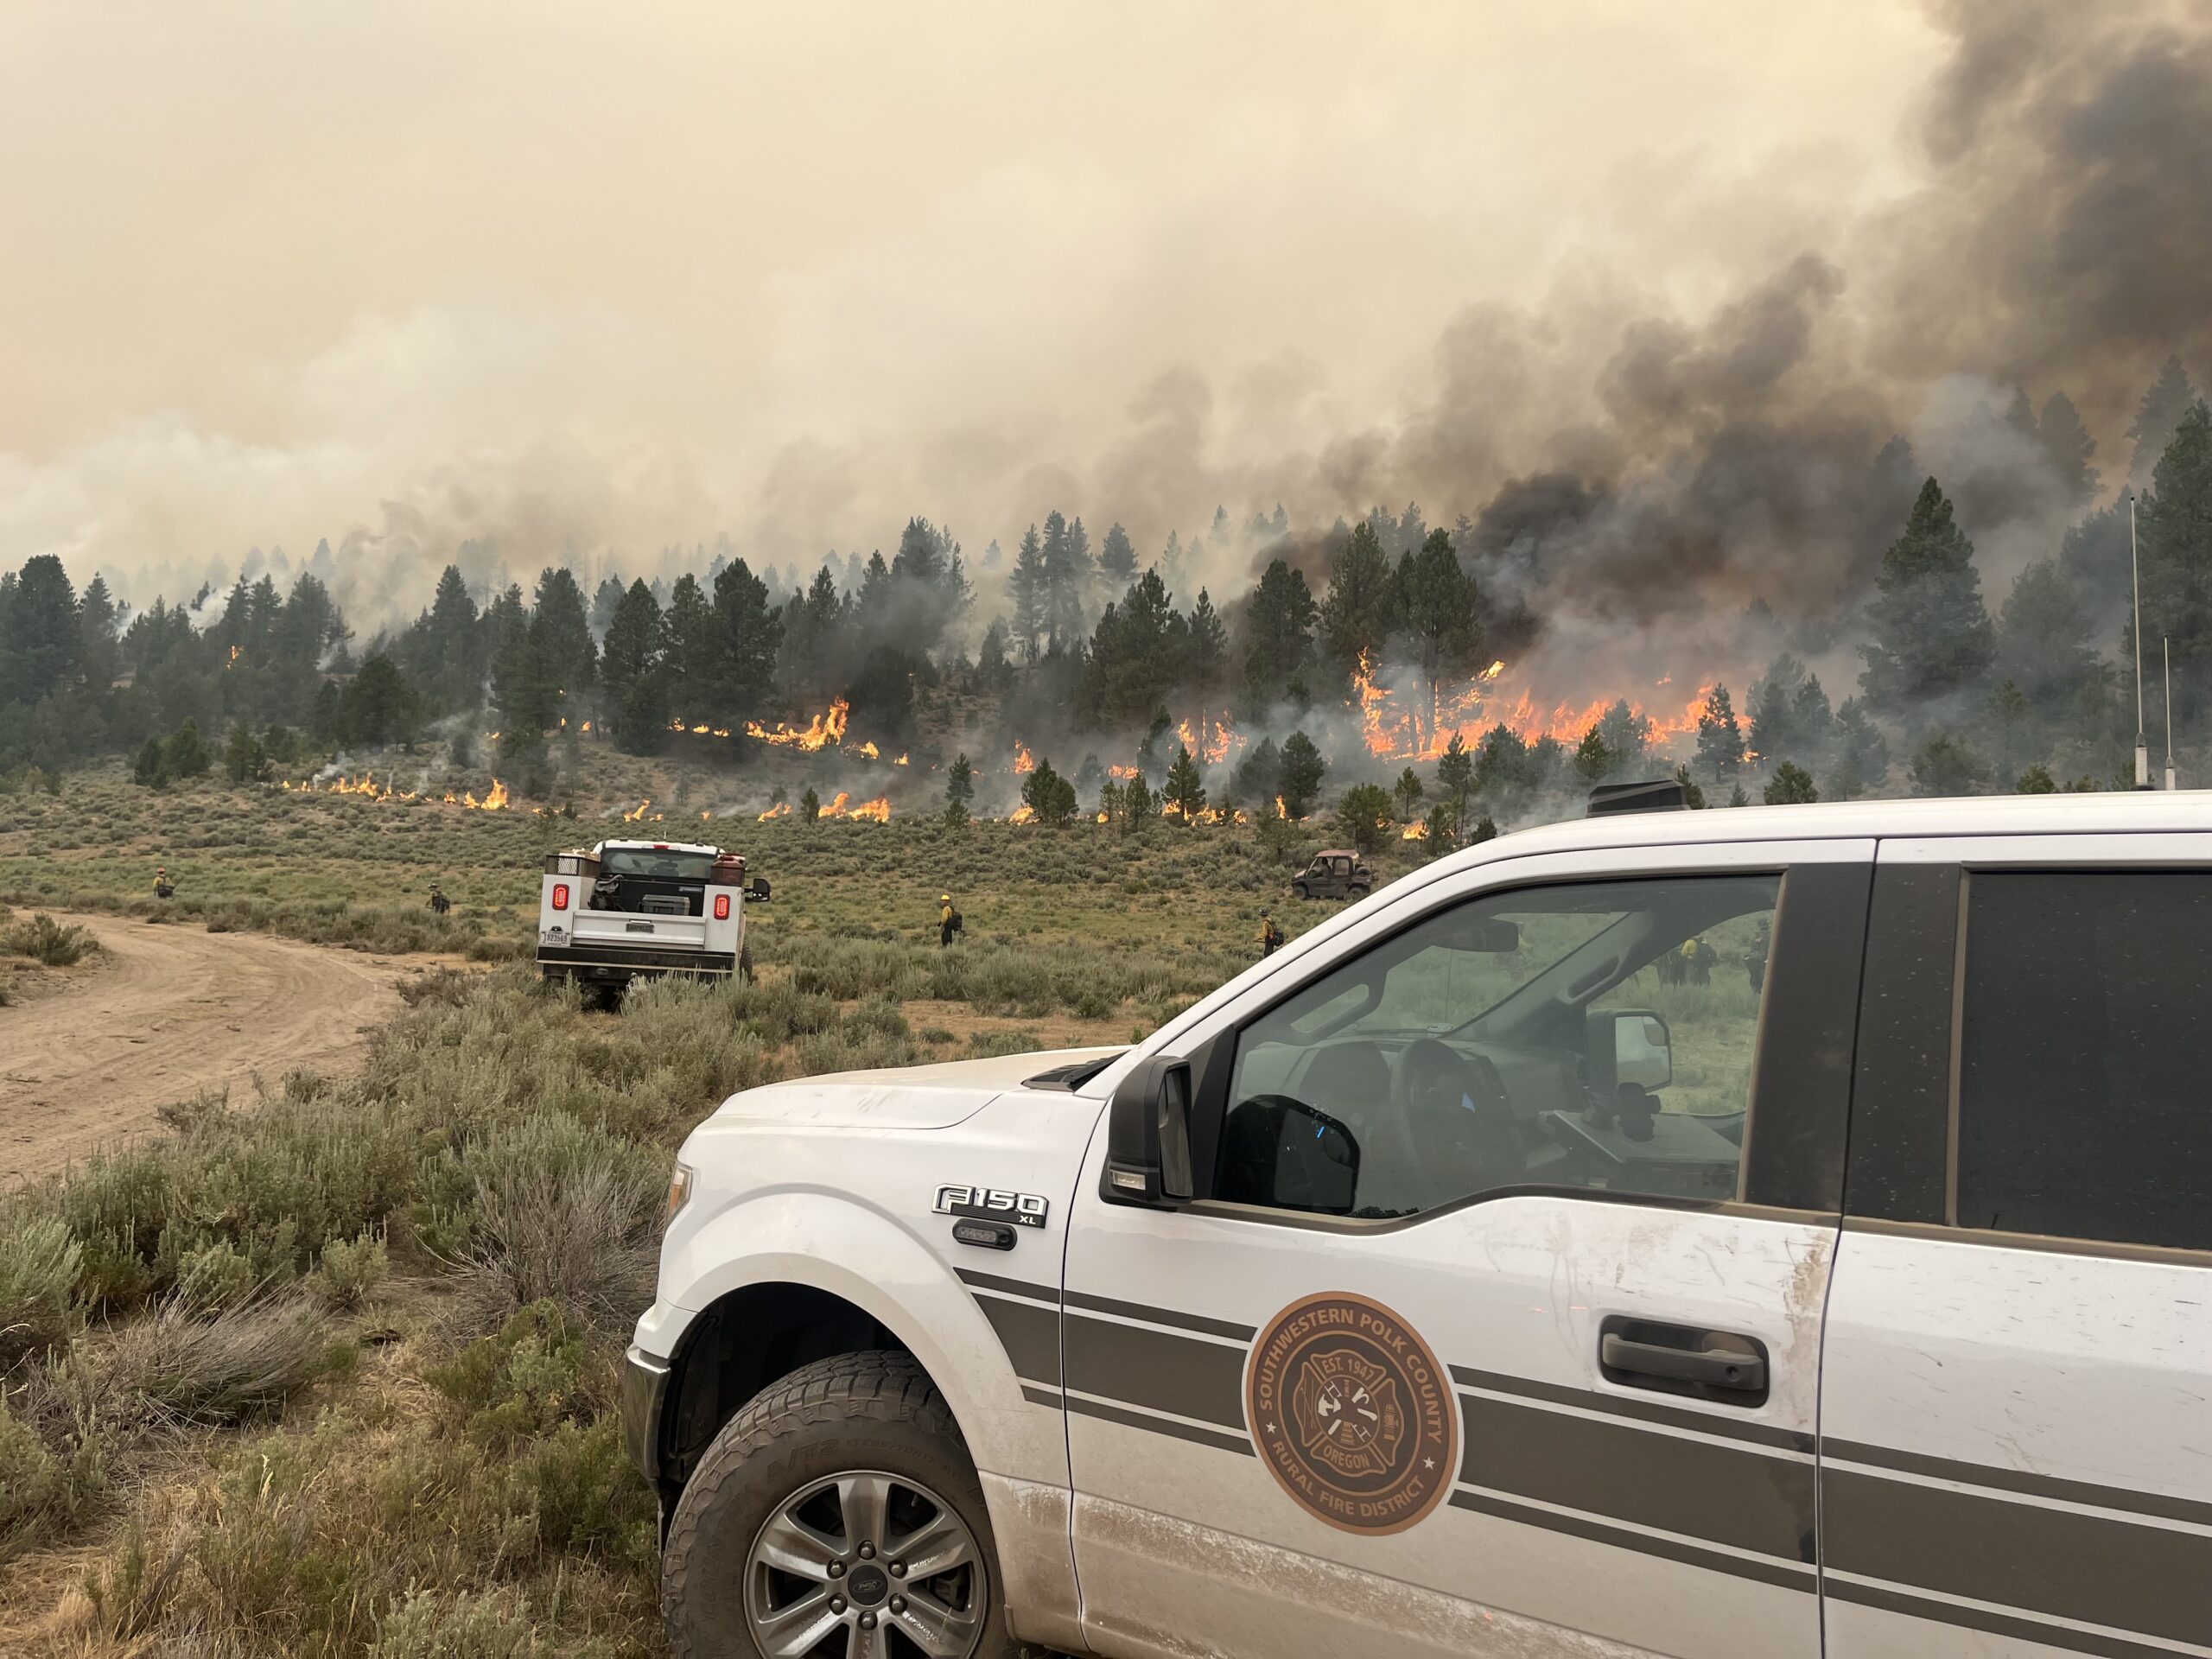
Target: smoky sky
(1643,293)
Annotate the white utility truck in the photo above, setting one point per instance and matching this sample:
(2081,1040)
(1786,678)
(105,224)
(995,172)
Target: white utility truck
(628,909)
(1454,1282)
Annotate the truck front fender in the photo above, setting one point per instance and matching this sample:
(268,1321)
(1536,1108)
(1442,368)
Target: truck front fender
(833,1244)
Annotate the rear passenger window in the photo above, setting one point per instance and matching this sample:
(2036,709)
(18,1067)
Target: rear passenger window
(2085,1061)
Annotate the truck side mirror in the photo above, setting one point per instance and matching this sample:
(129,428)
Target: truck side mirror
(1629,1045)
(1148,1136)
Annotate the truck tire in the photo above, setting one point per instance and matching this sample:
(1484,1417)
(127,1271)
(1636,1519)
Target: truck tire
(1298,890)
(832,1468)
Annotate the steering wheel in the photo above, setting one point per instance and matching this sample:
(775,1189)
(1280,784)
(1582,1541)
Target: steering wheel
(1454,1110)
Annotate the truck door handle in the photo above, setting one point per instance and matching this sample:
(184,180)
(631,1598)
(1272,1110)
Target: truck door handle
(1678,1359)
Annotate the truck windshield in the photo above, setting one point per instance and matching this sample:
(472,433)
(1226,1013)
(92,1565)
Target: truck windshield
(664,863)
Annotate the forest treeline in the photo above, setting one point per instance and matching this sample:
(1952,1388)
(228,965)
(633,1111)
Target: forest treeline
(1949,696)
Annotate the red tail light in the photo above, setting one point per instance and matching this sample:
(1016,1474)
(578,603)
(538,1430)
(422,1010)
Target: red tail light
(560,895)
(721,907)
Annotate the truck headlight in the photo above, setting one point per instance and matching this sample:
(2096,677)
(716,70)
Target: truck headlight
(679,1190)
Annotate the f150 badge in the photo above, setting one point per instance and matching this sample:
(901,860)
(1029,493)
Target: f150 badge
(991,1203)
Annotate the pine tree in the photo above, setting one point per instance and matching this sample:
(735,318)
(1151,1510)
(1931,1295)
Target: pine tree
(98,615)
(185,754)
(959,790)
(692,651)
(1206,656)
(1185,792)
(1408,792)
(1862,760)
(1627,736)
(1363,816)
(1945,765)
(454,644)
(1138,807)
(1593,761)
(378,707)
(2043,638)
(1455,777)
(2176,526)
(1774,708)
(1932,635)
(43,650)
(1117,560)
(809,806)
(1259,775)
(1436,601)
(560,633)
(635,672)
(1029,589)
(1303,769)
(2164,402)
(1719,739)
(747,632)
(1792,785)
(604,599)
(1359,608)
(1278,633)
(1047,794)
(2070,449)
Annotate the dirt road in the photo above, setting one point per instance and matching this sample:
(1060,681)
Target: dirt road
(172,1011)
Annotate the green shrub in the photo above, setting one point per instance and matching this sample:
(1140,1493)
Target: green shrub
(39,1263)
(430,1625)
(534,1374)
(45,940)
(48,1482)
(350,1272)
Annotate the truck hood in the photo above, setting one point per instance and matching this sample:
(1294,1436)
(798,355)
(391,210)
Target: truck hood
(899,1097)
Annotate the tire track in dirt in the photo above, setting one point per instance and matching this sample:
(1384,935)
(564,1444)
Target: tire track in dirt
(173,1011)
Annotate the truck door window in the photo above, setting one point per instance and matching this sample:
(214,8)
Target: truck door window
(1594,1036)
(2085,1080)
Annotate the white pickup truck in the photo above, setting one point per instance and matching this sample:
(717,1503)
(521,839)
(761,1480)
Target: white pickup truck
(1454,1282)
(627,909)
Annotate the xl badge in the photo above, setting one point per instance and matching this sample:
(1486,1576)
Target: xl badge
(991,1203)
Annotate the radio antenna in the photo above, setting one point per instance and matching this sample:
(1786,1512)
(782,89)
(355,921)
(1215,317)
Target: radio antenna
(2135,573)
(2166,648)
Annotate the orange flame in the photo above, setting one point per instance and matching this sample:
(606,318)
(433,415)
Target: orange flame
(878,809)
(817,734)
(780,810)
(1416,832)
(1024,814)
(1396,729)
(636,816)
(1122,773)
(1024,761)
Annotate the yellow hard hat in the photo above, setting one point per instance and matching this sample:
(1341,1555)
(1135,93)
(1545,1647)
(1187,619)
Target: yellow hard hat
(944,897)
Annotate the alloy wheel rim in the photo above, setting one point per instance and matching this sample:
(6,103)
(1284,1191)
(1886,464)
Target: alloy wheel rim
(866,1564)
